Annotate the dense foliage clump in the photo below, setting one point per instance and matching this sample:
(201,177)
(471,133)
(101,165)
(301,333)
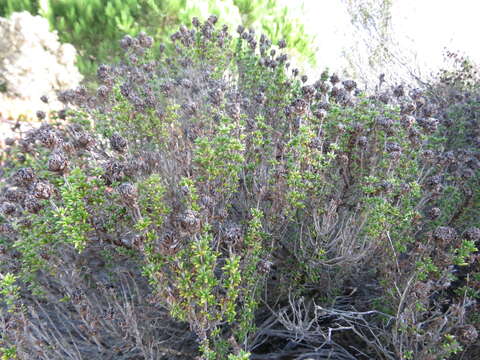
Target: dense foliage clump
(214,203)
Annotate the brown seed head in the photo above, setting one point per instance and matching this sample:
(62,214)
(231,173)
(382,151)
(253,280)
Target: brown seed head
(467,334)
(189,221)
(57,162)
(42,190)
(128,193)
(445,234)
(118,143)
(408,108)
(41,115)
(473,234)
(24,176)
(7,208)
(434,213)
(9,141)
(349,85)
(334,79)
(48,139)
(320,114)
(32,205)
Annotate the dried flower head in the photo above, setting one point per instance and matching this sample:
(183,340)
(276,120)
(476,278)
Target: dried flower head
(128,193)
(445,234)
(145,41)
(323,87)
(196,22)
(24,177)
(434,213)
(234,234)
(349,85)
(41,115)
(362,141)
(14,195)
(320,114)
(399,91)
(9,141)
(6,228)
(84,140)
(126,42)
(42,190)
(467,334)
(299,106)
(118,143)
(7,208)
(334,79)
(473,234)
(392,147)
(212,19)
(48,139)
(57,162)
(62,114)
(407,121)
(264,266)
(308,92)
(103,91)
(385,98)
(113,171)
(189,221)
(408,108)
(430,125)
(32,205)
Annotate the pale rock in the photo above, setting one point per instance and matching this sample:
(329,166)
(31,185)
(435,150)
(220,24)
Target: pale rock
(33,63)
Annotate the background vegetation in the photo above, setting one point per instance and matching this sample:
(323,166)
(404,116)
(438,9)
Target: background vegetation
(95,27)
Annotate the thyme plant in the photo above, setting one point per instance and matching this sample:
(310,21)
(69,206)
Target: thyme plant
(253,210)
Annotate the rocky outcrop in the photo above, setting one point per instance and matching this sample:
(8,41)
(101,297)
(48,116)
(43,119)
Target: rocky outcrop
(33,63)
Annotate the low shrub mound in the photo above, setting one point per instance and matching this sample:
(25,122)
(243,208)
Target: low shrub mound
(216,205)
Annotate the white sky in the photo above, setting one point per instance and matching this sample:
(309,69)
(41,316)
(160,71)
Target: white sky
(421,27)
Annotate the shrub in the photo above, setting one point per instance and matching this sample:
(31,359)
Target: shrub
(267,214)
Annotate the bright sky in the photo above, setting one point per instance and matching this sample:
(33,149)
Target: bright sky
(421,27)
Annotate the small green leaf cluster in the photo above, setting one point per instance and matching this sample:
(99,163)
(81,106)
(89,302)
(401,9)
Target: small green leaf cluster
(8,289)
(73,218)
(8,353)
